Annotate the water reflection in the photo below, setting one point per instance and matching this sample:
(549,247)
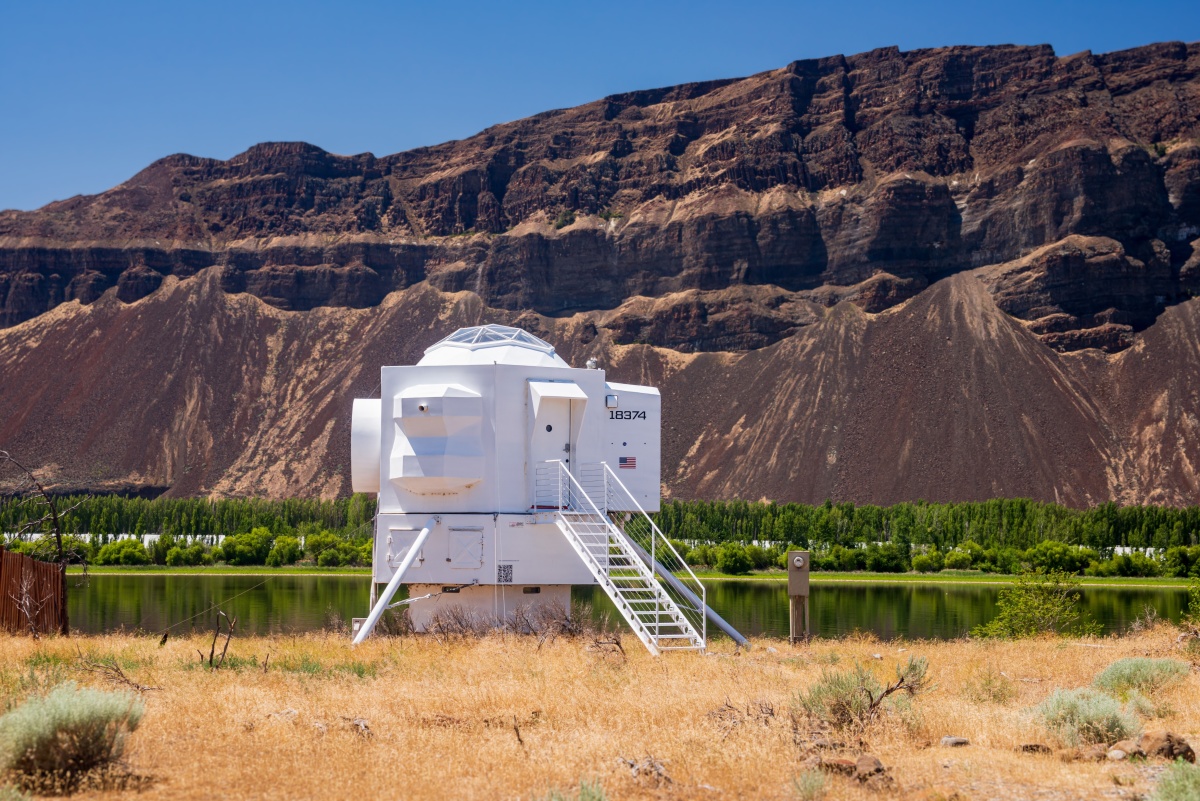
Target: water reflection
(284,603)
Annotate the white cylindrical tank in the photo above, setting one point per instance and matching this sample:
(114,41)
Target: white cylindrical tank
(365,429)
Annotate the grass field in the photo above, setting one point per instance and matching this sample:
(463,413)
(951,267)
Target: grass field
(504,716)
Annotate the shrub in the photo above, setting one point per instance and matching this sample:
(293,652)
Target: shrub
(588,791)
(194,554)
(1140,674)
(1086,716)
(123,552)
(564,218)
(809,785)
(760,558)
(990,685)
(845,559)
(930,562)
(160,548)
(12,794)
(68,732)
(733,559)
(1038,603)
(1182,562)
(45,548)
(1134,564)
(854,697)
(316,544)
(683,550)
(1192,616)
(1000,560)
(286,551)
(886,558)
(1053,556)
(1180,782)
(250,548)
(345,553)
(958,560)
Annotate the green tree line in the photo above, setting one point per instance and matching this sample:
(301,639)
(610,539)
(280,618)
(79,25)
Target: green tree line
(98,517)
(1007,523)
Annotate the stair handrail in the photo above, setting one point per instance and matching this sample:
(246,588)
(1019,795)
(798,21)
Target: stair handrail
(656,566)
(572,504)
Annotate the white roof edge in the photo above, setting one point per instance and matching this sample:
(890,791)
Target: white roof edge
(632,388)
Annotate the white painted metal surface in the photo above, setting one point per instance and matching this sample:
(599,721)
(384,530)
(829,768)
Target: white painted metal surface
(466,434)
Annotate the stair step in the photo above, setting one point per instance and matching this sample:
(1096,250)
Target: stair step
(644,603)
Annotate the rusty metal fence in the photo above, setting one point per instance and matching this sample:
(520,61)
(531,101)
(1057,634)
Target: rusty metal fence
(32,595)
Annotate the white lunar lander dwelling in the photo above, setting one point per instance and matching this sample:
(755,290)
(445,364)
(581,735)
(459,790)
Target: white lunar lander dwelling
(505,476)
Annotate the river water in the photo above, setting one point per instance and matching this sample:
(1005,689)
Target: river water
(291,603)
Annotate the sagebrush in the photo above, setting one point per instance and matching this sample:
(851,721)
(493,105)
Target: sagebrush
(69,731)
(1085,716)
(1140,674)
(1180,782)
(855,697)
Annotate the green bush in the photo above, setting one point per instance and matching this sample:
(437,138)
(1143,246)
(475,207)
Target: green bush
(1000,560)
(930,562)
(958,560)
(588,791)
(316,544)
(1182,562)
(68,732)
(250,548)
(760,558)
(1180,782)
(123,552)
(564,218)
(1140,674)
(683,550)
(809,785)
(12,794)
(1038,603)
(886,558)
(1052,556)
(344,554)
(45,548)
(853,697)
(1086,716)
(1134,564)
(842,559)
(733,559)
(194,554)
(1192,616)
(286,551)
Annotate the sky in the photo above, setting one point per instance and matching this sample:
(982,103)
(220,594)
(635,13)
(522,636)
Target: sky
(91,93)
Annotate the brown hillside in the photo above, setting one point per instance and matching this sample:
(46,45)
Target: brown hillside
(943,274)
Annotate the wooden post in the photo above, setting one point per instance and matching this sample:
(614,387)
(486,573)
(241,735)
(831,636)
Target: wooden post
(798,618)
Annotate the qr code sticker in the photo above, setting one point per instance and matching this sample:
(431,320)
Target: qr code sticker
(504,574)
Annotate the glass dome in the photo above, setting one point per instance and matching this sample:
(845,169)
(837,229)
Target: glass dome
(492,344)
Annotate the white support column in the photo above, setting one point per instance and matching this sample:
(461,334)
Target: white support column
(381,605)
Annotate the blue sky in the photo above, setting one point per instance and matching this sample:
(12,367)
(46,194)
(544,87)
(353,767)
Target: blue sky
(91,92)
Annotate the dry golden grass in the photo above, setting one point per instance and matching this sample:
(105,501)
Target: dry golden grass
(442,715)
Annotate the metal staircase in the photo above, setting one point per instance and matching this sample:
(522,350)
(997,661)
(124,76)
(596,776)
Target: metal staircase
(627,555)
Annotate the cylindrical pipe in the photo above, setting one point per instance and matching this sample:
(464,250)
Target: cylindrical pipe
(381,605)
(682,589)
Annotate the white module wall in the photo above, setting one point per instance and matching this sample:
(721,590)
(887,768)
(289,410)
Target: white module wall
(461,436)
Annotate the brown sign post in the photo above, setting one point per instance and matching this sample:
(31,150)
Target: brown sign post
(798,568)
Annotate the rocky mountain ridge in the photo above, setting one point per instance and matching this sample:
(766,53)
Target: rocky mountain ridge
(673,233)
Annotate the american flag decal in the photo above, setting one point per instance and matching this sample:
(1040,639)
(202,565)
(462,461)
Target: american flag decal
(627,463)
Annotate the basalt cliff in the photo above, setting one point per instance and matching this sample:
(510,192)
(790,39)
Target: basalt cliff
(947,274)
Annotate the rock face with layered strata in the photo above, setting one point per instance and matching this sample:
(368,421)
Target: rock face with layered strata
(777,224)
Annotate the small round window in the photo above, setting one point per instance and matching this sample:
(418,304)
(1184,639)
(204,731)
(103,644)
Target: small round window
(549,428)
